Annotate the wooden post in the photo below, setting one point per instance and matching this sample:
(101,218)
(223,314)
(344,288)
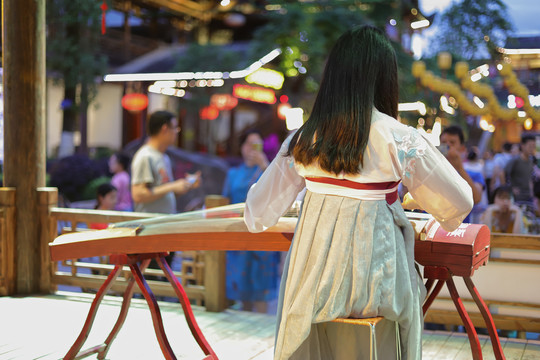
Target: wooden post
(7,241)
(48,197)
(215,267)
(23,53)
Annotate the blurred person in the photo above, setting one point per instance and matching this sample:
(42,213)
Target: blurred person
(153,187)
(503,215)
(118,166)
(487,171)
(254,162)
(106,198)
(454,139)
(473,161)
(499,164)
(252,276)
(474,166)
(271,146)
(519,173)
(352,254)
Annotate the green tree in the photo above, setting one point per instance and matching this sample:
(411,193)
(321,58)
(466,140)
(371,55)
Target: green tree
(473,29)
(305,33)
(73,30)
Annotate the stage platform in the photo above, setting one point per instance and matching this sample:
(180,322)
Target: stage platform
(44,327)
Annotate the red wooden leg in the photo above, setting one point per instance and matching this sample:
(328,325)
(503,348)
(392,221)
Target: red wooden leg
(432,296)
(74,350)
(188,313)
(492,330)
(429,284)
(154,310)
(471,331)
(128,295)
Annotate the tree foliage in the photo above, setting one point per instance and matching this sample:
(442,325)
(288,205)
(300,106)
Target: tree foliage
(473,29)
(73,31)
(306,32)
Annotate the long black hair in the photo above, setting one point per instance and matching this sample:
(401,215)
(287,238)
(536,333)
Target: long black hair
(361,73)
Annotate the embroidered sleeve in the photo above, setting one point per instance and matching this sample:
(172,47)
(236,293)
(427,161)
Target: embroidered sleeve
(410,146)
(431,180)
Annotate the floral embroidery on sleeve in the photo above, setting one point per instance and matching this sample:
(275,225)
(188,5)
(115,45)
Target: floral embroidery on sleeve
(290,161)
(410,146)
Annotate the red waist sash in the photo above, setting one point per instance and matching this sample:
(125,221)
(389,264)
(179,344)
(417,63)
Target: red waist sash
(391,197)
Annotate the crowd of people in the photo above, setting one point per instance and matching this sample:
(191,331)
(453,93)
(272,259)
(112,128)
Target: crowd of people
(505,190)
(506,185)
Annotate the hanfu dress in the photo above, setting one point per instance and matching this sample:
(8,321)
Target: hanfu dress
(352,254)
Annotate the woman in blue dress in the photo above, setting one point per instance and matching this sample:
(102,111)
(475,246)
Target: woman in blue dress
(252,276)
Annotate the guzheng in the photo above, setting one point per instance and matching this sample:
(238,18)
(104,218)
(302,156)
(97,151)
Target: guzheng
(223,228)
(443,254)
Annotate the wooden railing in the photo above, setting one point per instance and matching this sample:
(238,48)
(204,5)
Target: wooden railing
(199,272)
(509,283)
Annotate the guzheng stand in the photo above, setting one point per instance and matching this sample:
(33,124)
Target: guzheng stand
(136,270)
(444,276)
(459,253)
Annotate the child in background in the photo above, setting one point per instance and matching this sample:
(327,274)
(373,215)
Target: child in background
(106,200)
(503,216)
(118,165)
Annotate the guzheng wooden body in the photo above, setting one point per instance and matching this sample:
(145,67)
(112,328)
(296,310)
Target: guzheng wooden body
(223,228)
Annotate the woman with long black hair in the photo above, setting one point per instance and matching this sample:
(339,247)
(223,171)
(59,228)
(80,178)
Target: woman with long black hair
(352,254)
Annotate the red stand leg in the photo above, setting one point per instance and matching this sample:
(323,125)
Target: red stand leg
(154,310)
(128,295)
(76,347)
(428,285)
(132,260)
(471,331)
(432,295)
(188,313)
(497,349)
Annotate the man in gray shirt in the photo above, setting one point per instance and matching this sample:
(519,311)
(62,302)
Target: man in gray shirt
(519,171)
(153,187)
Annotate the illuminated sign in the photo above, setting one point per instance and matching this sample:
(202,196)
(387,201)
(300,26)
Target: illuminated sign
(223,101)
(282,110)
(266,77)
(251,93)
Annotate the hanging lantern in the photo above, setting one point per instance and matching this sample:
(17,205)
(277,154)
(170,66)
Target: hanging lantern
(209,113)
(134,102)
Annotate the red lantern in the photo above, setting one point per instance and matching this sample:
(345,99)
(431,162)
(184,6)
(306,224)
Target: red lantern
(134,102)
(209,113)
